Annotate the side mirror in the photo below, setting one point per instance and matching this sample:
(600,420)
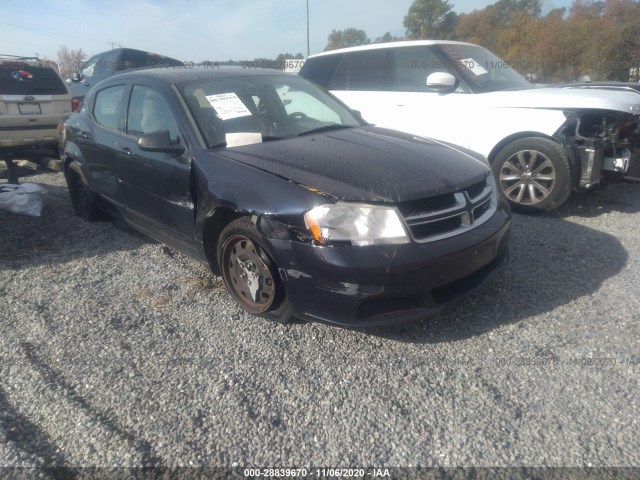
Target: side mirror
(76,76)
(159,141)
(358,114)
(442,81)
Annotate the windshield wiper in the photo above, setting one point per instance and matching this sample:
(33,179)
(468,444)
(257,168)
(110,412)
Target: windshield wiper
(325,128)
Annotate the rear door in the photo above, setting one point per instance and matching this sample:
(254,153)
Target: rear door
(98,140)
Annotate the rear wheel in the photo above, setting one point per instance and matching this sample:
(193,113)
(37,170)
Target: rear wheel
(82,199)
(250,275)
(533,174)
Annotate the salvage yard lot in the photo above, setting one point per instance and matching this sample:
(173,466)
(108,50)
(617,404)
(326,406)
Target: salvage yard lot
(118,351)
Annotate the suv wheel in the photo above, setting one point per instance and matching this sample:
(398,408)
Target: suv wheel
(533,174)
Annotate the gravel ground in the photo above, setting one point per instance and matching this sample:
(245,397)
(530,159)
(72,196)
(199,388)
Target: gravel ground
(117,351)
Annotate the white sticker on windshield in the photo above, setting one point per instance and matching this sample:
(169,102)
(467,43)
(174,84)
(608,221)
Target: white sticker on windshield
(228,105)
(237,139)
(474,66)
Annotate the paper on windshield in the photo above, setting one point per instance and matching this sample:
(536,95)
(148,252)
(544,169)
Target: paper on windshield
(474,66)
(228,106)
(237,139)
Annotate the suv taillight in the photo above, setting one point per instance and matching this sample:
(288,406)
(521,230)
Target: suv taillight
(74,104)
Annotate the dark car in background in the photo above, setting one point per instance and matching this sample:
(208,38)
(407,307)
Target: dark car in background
(303,208)
(106,64)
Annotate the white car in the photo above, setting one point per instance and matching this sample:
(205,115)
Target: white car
(542,143)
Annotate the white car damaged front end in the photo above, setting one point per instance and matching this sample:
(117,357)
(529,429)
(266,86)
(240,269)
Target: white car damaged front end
(599,129)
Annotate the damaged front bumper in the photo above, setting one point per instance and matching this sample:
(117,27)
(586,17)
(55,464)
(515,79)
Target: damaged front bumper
(385,284)
(605,145)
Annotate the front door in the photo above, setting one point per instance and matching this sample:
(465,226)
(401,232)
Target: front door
(155,185)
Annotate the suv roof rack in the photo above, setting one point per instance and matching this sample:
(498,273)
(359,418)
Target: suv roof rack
(18,57)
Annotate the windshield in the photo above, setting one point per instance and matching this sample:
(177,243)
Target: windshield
(235,111)
(482,70)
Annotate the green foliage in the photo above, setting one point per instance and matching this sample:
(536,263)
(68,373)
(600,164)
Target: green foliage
(349,37)
(430,19)
(599,39)
(387,37)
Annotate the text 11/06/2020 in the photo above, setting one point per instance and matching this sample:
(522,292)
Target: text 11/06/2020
(317,472)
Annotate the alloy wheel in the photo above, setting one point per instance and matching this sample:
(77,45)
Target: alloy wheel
(527,177)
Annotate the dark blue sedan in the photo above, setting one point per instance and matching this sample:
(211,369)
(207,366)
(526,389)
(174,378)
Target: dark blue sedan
(302,207)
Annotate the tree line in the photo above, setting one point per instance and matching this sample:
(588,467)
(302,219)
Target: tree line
(595,38)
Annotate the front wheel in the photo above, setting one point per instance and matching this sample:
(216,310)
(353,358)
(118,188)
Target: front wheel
(533,174)
(249,274)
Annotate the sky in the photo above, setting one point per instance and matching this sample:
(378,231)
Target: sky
(199,29)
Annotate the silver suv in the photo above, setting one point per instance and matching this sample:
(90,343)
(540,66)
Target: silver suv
(32,99)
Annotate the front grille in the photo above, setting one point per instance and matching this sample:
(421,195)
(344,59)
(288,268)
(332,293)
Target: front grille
(476,189)
(450,214)
(431,229)
(431,204)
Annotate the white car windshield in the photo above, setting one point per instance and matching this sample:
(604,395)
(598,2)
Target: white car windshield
(482,70)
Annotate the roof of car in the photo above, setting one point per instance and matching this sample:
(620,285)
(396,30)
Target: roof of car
(376,46)
(127,49)
(14,60)
(187,74)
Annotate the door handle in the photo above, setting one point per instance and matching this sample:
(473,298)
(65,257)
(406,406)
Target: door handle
(84,134)
(127,151)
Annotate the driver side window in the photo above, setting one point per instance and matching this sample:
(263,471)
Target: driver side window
(413,66)
(149,112)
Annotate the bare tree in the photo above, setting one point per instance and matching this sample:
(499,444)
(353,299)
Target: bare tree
(70,61)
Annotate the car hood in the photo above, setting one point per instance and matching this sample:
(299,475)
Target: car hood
(563,99)
(367,164)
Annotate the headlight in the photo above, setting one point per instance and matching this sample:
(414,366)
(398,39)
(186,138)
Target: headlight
(356,223)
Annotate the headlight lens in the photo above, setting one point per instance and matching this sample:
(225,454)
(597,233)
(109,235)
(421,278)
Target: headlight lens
(356,223)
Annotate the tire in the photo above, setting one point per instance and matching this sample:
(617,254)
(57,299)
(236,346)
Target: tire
(533,174)
(249,273)
(82,199)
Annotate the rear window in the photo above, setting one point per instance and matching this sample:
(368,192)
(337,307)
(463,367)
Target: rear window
(368,70)
(16,79)
(321,69)
(106,109)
